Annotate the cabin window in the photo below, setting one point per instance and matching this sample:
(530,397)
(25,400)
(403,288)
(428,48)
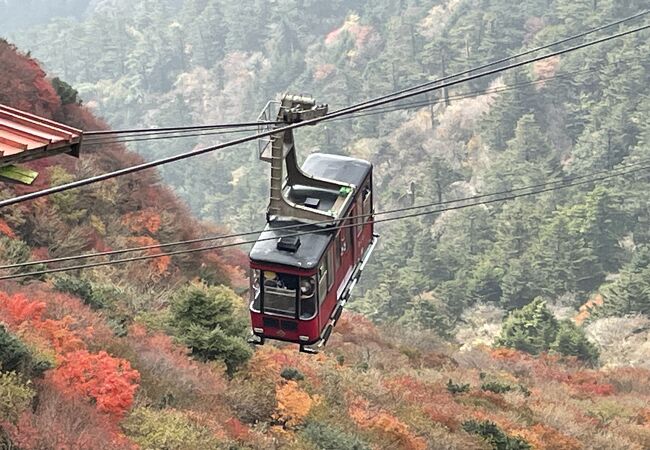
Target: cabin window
(280,293)
(331,267)
(367,202)
(255,289)
(358,213)
(340,241)
(323,274)
(343,241)
(307,297)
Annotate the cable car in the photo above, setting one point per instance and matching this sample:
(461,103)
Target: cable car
(318,238)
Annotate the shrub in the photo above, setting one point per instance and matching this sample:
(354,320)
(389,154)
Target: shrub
(15,356)
(530,329)
(252,401)
(323,435)
(15,396)
(496,387)
(454,388)
(495,436)
(167,429)
(206,320)
(572,341)
(290,373)
(13,251)
(79,288)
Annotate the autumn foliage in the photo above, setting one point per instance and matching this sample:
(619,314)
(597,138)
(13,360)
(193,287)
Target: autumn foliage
(110,382)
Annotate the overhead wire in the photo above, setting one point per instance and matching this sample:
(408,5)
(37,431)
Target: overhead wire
(160,130)
(305,225)
(200,151)
(165,137)
(510,195)
(403,106)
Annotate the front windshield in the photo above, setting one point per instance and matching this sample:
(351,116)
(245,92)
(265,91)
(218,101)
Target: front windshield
(280,293)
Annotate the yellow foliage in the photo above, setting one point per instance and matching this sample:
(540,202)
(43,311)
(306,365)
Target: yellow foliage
(293,404)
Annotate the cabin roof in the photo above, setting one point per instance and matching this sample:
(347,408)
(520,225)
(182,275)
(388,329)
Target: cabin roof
(314,244)
(24,137)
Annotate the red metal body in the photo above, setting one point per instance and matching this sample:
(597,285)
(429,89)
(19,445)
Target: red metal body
(351,243)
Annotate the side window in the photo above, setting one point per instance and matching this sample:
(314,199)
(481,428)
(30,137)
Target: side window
(367,201)
(255,289)
(307,297)
(358,212)
(323,282)
(340,249)
(331,265)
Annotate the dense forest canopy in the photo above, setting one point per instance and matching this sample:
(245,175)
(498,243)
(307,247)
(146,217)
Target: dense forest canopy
(557,283)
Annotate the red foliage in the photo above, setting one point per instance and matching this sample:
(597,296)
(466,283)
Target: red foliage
(40,253)
(163,363)
(357,329)
(17,309)
(145,220)
(62,421)
(23,84)
(237,430)
(110,381)
(438,404)
(6,229)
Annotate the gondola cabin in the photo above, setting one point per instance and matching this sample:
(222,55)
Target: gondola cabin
(318,237)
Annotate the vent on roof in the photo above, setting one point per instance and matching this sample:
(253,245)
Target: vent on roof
(312,202)
(289,243)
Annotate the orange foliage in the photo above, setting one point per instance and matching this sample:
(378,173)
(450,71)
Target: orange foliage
(643,417)
(159,265)
(293,404)
(268,362)
(542,437)
(6,229)
(111,382)
(507,354)
(39,253)
(59,333)
(395,432)
(145,220)
(587,308)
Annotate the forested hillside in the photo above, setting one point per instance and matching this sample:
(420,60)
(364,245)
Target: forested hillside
(513,325)
(188,62)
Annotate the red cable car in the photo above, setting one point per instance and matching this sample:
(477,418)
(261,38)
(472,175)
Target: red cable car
(318,238)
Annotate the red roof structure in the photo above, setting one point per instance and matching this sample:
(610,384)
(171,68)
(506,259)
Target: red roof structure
(24,137)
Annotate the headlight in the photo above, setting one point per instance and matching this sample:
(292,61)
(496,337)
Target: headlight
(307,286)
